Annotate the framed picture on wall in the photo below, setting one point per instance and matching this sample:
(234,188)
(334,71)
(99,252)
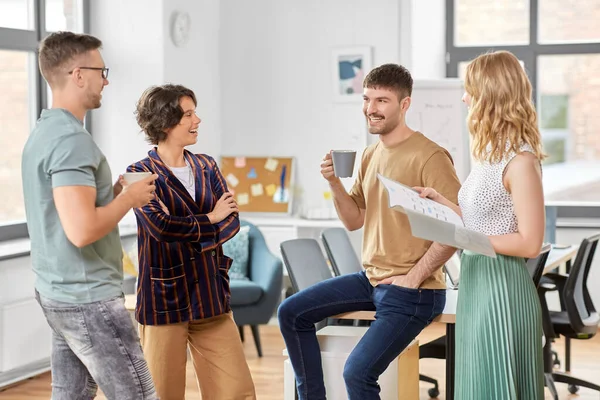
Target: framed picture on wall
(349,67)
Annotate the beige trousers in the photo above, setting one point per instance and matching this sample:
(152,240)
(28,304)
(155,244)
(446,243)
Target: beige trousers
(217,353)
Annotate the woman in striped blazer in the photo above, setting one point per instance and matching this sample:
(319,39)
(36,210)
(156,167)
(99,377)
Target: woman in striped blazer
(183,286)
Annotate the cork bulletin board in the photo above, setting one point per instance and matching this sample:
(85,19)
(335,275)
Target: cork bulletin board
(260,184)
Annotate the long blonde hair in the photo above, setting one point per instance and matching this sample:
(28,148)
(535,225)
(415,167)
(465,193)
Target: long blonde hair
(502,110)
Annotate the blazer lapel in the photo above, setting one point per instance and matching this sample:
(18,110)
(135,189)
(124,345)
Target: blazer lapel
(174,184)
(199,171)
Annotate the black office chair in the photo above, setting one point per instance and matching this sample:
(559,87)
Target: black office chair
(536,266)
(340,252)
(305,263)
(577,319)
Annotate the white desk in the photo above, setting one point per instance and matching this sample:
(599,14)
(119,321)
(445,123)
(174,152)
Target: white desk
(558,257)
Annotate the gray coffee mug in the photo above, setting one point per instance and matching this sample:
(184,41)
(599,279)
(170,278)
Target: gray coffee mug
(343,162)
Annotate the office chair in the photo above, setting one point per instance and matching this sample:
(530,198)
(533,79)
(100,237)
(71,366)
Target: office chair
(340,252)
(535,266)
(577,319)
(305,263)
(343,260)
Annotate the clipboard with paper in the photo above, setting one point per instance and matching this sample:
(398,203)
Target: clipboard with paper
(433,221)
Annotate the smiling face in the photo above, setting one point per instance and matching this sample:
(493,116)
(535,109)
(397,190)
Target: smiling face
(383,110)
(93,80)
(185,133)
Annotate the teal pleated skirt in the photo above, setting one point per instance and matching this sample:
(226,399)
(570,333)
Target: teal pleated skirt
(498,331)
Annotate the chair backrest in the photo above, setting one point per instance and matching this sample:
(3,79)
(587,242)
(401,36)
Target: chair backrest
(452,268)
(578,302)
(305,262)
(256,240)
(536,265)
(340,251)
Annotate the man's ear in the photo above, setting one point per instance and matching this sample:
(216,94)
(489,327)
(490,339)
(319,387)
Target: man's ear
(405,103)
(77,77)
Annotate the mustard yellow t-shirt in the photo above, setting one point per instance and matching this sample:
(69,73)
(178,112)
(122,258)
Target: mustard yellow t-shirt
(388,246)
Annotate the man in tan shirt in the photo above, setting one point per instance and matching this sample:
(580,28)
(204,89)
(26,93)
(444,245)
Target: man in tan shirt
(402,280)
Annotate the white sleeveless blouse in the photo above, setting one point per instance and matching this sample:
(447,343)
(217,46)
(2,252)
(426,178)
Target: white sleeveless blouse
(486,205)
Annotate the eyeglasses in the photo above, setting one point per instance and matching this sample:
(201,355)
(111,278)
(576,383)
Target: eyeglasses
(103,69)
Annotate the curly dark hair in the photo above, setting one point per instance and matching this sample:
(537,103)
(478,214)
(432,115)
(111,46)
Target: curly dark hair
(394,77)
(158,110)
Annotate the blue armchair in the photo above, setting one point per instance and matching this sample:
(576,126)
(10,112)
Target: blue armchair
(254,301)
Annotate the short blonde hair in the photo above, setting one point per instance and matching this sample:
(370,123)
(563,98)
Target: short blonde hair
(502,111)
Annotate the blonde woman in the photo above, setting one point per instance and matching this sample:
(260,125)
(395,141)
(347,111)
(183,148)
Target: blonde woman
(498,325)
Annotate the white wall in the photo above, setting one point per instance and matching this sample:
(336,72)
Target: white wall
(133,50)
(276,77)
(196,65)
(261,71)
(428,39)
(139,52)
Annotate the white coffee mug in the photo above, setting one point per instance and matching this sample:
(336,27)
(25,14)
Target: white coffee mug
(131,177)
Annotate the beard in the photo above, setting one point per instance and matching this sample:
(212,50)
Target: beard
(93,101)
(384,126)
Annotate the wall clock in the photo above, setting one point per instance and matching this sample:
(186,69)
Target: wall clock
(181,23)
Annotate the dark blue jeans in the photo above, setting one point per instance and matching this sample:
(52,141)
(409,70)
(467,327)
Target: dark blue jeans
(400,315)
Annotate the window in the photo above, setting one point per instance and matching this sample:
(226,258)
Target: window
(23,93)
(568,21)
(553,126)
(559,49)
(17,14)
(16,83)
(483,23)
(64,15)
(568,100)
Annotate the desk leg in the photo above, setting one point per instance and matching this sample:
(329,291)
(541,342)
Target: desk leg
(551,215)
(450,350)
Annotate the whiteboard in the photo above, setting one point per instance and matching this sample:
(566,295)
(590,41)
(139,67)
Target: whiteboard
(437,111)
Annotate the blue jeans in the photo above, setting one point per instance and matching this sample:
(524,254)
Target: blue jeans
(401,314)
(96,344)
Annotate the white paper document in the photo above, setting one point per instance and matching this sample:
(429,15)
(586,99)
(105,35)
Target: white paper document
(433,221)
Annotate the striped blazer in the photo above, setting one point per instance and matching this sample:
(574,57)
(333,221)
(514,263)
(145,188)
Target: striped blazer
(183,274)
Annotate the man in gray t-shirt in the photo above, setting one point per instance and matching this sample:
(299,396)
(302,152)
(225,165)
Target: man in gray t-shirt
(72,214)
(60,154)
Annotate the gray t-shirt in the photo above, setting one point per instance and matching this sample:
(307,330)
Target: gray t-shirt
(60,152)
